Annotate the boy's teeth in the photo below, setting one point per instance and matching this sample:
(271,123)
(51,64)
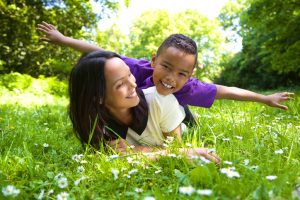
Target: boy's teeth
(166,85)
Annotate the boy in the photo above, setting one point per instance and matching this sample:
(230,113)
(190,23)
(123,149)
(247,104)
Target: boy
(169,72)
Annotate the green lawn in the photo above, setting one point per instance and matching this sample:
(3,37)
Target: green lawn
(41,158)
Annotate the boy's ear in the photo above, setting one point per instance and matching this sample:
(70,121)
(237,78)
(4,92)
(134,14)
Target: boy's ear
(153,60)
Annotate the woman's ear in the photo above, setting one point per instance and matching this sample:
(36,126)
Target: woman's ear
(101,101)
(153,60)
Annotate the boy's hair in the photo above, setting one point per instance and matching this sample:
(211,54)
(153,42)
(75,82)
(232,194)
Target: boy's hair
(181,42)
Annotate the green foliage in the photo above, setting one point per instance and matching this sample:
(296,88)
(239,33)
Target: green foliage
(152,27)
(112,39)
(16,81)
(21,83)
(20,49)
(271,43)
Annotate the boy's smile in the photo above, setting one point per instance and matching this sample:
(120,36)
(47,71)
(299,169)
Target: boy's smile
(172,68)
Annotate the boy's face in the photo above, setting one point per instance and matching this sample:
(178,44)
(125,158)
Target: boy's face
(172,68)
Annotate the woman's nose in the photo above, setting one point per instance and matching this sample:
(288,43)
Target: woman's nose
(133,83)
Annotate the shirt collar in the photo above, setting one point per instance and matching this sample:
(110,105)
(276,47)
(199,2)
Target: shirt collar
(140,119)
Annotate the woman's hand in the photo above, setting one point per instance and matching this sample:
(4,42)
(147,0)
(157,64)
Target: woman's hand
(206,153)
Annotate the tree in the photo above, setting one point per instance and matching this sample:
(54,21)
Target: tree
(20,49)
(271,42)
(152,27)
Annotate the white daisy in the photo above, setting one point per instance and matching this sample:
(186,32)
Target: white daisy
(83,162)
(186,190)
(62,196)
(227,162)
(129,159)
(41,195)
(173,155)
(165,145)
(188,145)
(45,145)
(113,156)
(77,157)
(10,190)
(58,176)
(62,182)
(149,198)
(279,151)
(51,191)
(80,169)
(79,180)
(138,190)
(271,177)
(169,139)
(115,172)
(204,192)
(230,173)
(133,171)
(239,137)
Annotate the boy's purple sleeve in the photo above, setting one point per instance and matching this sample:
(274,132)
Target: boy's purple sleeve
(197,93)
(141,70)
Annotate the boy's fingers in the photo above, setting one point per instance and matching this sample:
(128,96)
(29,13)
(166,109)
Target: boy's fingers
(287,94)
(282,106)
(42,28)
(53,27)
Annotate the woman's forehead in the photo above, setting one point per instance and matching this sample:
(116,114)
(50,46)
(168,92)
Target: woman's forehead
(115,69)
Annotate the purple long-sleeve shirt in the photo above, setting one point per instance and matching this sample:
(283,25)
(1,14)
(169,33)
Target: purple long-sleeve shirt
(194,92)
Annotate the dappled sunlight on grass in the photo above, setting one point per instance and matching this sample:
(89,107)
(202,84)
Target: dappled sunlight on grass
(29,99)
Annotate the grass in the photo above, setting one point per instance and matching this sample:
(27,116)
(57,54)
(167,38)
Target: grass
(38,144)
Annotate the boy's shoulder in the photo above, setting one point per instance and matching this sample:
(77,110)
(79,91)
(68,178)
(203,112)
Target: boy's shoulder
(152,96)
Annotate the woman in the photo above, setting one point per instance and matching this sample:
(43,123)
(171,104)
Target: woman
(106,107)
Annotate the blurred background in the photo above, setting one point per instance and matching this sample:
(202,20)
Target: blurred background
(246,43)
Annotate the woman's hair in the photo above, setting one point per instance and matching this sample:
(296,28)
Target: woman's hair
(87,86)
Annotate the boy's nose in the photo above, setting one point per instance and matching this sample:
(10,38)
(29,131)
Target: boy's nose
(171,77)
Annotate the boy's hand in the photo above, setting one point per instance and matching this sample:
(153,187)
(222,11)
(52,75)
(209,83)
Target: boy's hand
(275,99)
(52,34)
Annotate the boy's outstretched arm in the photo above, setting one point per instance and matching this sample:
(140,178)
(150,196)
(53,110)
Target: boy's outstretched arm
(56,37)
(234,93)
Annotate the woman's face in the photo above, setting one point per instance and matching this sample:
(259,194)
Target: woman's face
(120,85)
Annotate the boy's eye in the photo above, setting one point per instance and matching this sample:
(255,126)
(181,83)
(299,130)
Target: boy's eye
(182,74)
(166,67)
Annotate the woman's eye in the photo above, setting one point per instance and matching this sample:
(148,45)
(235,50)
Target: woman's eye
(120,85)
